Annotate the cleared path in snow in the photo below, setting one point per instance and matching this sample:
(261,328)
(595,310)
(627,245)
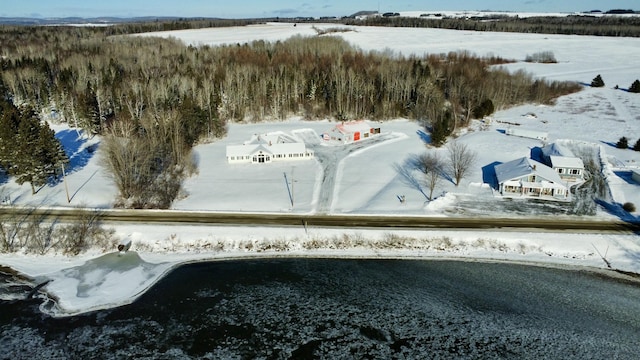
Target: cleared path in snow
(330,157)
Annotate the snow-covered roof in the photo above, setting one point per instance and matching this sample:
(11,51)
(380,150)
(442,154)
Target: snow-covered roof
(281,148)
(353,126)
(555,149)
(566,162)
(270,143)
(277,137)
(247,149)
(522,167)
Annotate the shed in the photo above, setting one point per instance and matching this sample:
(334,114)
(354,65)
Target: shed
(530,134)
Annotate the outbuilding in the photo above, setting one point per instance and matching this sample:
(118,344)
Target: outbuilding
(530,134)
(350,132)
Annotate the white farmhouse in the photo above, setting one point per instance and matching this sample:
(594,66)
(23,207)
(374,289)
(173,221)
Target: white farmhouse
(266,148)
(350,132)
(525,177)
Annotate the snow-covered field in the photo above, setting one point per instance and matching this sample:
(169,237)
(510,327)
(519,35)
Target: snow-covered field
(367,180)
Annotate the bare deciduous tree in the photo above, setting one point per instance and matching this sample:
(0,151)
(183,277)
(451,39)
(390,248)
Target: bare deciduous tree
(431,165)
(461,158)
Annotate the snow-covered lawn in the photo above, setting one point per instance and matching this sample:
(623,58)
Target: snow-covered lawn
(367,181)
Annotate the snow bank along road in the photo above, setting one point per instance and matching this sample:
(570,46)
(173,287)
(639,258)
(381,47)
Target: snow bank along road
(344,221)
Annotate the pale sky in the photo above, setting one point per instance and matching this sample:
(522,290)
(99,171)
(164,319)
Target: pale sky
(284,8)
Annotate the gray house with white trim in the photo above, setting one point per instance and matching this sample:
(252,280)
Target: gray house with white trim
(528,178)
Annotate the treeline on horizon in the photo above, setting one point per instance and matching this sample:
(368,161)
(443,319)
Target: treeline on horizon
(615,26)
(158,97)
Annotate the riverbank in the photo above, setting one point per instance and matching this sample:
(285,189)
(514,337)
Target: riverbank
(96,280)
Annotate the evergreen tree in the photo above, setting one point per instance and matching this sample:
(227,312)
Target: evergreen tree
(597,81)
(635,87)
(89,110)
(38,155)
(623,143)
(484,109)
(636,146)
(4,91)
(440,129)
(9,122)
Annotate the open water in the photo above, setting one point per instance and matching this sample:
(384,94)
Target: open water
(346,309)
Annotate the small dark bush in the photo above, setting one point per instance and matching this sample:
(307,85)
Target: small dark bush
(635,87)
(597,81)
(629,207)
(623,143)
(636,146)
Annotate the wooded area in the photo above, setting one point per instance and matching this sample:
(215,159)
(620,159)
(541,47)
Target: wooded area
(564,25)
(162,96)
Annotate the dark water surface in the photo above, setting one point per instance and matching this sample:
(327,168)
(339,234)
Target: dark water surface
(345,309)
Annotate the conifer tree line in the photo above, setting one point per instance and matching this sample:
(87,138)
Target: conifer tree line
(626,26)
(164,96)
(28,147)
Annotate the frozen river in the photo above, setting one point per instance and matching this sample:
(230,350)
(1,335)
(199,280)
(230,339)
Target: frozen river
(320,308)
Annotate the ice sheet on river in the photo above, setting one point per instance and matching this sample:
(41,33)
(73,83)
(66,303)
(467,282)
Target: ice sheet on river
(109,280)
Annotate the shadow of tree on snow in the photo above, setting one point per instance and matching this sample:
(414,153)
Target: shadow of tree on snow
(74,145)
(406,170)
(615,208)
(4,178)
(426,138)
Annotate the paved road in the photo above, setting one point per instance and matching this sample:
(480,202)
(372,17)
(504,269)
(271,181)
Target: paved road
(310,220)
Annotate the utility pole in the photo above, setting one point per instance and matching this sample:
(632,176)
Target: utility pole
(292,181)
(64,179)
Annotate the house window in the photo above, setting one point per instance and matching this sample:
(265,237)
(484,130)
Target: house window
(510,188)
(575,172)
(560,171)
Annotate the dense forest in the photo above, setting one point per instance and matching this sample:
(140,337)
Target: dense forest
(610,25)
(153,99)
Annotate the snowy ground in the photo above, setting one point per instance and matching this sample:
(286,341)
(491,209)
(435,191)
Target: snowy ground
(365,180)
